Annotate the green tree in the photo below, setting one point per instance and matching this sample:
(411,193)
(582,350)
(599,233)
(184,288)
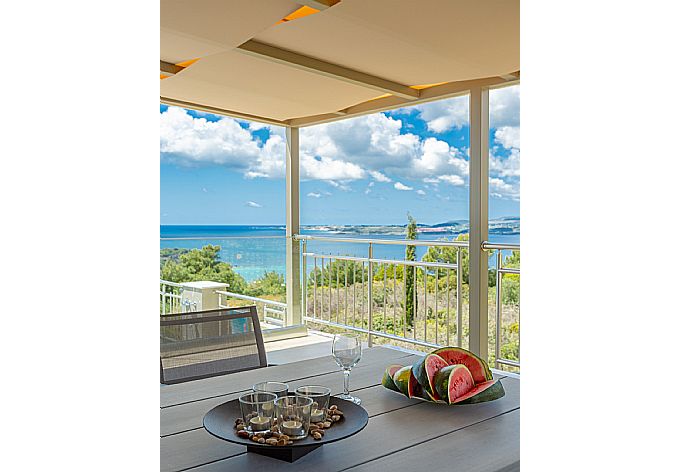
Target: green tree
(203,264)
(271,283)
(410,255)
(449,255)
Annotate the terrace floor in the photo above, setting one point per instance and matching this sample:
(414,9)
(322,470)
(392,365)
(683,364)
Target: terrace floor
(315,344)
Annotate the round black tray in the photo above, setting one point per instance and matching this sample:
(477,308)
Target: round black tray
(220,422)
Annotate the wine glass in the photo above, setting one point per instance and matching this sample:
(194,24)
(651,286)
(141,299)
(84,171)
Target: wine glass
(347,351)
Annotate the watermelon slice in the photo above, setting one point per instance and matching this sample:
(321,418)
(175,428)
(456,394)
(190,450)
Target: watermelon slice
(387,380)
(453,382)
(402,379)
(483,392)
(456,355)
(425,369)
(415,390)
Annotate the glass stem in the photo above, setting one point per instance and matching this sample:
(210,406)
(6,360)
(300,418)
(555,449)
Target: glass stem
(346,382)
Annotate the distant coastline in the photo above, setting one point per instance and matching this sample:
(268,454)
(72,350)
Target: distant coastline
(498,226)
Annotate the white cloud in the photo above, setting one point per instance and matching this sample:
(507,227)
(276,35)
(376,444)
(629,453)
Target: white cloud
(447,114)
(187,140)
(508,137)
(374,146)
(318,194)
(421,192)
(339,185)
(252,204)
(379,177)
(401,186)
(452,179)
(329,169)
(501,189)
(504,107)
(203,189)
(505,166)
(444,115)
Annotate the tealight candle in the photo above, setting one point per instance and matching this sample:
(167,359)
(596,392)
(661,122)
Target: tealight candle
(260,423)
(317,415)
(292,428)
(267,409)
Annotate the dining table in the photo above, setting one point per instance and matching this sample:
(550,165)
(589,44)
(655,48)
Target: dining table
(402,434)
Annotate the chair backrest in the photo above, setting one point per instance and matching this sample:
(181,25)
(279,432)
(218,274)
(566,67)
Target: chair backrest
(204,344)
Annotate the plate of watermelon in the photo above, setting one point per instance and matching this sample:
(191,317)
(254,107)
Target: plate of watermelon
(449,375)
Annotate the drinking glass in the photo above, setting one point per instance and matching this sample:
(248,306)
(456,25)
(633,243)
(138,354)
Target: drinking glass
(279,388)
(293,414)
(257,411)
(347,351)
(320,395)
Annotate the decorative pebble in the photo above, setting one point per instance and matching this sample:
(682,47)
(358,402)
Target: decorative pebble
(335,418)
(261,440)
(243,434)
(326,424)
(317,435)
(272,441)
(283,442)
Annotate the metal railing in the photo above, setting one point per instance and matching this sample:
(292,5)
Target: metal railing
(170,297)
(416,302)
(394,298)
(271,308)
(500,272)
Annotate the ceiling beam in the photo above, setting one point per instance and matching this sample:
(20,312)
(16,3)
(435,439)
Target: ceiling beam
(431,94)
(318,4)
(170,68)
(327,69)
(439,92)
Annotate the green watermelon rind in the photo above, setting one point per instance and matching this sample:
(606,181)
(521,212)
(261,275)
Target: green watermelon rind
(419,371)
(387,380)
(492,393)
(442,380)
(402,378)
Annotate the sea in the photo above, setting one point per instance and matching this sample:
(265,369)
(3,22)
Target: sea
(255,249)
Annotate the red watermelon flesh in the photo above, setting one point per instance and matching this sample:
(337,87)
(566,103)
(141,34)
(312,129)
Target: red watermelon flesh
(393,369)
(455,355)
(453,382)
(475,391)
(425,369)
(415,390)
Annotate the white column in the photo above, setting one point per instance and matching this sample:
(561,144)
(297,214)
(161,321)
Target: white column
(292,256)
(479,221)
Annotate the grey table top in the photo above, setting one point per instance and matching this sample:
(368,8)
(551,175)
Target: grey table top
(402,434)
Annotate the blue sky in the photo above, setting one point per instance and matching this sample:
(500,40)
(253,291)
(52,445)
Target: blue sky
(366,170)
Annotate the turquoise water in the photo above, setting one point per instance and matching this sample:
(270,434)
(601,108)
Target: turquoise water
(253,250)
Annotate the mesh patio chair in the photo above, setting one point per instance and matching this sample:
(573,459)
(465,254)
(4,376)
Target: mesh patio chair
(204,344)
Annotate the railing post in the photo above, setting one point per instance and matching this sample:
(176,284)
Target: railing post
(479,221)
(292,259)
(458,294)
(304,278)
(499,264)
(370,273)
